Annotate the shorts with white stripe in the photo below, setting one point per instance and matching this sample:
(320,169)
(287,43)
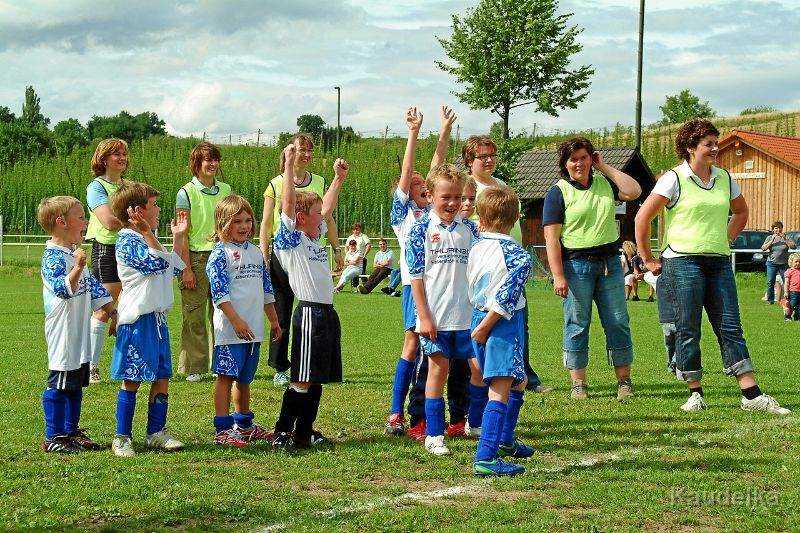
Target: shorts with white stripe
(69,380)
(316,344)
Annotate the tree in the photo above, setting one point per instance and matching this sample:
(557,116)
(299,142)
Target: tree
(496,130)
(685,106)
(20,141)
(312,124)
(125,126)
(756,109)
(512,53)
(31,111)
(6,115)
(69,134)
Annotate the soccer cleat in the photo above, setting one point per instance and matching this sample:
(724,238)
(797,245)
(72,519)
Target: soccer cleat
(496,467)
(122,446)
(696,403)
(94,375)
(254,432)
(162,440)
(79,439)
(417,432)
(634,298)
(281,379)
(396,424)
(314,440)
(624,389)
(397,294)
(194,378)
(456,430)
(516,449)
(471,432)
(283,442)
(437,445)
(650,299)
(387,291)
(579,391)
(362,289)
(59,444)
(764,402)
(540,388)
(229,437)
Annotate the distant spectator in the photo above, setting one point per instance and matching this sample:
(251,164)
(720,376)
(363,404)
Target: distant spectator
(364,246)
(382,266)
(394,282)
(792,287)
(633,268)
(778,245)
(352,265)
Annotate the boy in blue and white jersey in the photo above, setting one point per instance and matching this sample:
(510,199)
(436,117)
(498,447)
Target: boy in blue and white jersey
(498,270)
(316,342)
(436,251)
(70,294)
(142,351)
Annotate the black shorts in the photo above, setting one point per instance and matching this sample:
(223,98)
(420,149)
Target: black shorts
(104,262)
(316,344)
(69,380)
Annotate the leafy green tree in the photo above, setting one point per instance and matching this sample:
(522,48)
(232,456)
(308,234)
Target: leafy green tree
(6,115)
(685,106)
(19,142)
(312,124)
(512,53)
(69,134)
(125,126)
(31,110)
(756,109)
(496,130)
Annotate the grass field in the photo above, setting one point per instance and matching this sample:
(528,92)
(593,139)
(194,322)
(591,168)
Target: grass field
(600,465)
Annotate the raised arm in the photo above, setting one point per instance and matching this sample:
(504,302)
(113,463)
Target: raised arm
(440,155)
(629,189)
(414,123)
(288,194)
(340,170)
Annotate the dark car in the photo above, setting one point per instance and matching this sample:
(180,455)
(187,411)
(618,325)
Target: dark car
(794,236)
(750,240)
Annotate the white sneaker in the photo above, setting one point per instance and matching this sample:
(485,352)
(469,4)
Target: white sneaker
(194,378)
(162,440)
(764,403)
(695,403)
(122,446)
(281,379)
(471,432)
(94,375)
(437,445)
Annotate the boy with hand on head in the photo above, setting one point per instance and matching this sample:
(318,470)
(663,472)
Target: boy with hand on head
(316,343)
(142,351)
(70,293)
(497,271)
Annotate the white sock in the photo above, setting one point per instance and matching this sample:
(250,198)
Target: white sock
(97,336)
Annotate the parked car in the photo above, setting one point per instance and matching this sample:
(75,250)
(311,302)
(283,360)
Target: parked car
(794,236)
(750,240)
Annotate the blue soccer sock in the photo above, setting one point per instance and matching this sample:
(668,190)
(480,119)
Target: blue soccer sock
(157,413)
(243,420)
(126,405)
(515,401)
(478,396)
(54,403)
(434,416)
(491,427)
(73,414)
(223,423)
(402,380)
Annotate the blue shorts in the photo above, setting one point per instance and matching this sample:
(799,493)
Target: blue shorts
(452,344)
(501,356)
(237,360)
(409,309)
(69,380)
(142,351)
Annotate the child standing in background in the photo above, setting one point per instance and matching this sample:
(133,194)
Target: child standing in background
(791,284)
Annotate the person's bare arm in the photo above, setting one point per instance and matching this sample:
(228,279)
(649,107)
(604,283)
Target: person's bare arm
(440,155)
(188,278)
(651,207)
(552,237)
(739,218)
(629,188)
(265,231)
(414,123)
(106,218)
(340,170)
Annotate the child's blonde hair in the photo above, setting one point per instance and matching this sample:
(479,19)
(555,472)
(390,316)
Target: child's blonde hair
(103,150)
(471,184)
(445,172)
(304,201)
(53,207)
(793,257)
(131,194)
(225,211)
(498,208)
(629,247)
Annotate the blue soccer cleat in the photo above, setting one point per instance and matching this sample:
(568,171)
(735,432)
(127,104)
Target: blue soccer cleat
(515,449)
(496,467)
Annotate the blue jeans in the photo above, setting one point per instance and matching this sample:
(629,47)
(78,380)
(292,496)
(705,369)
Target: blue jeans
(600,281)
(697,282)
(772,270)
(666,316)
(794,304)
(394,278)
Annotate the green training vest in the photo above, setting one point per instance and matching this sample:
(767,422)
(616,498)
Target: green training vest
(96,231)
(201,206)
(698,222)
(588,214)
(316,185)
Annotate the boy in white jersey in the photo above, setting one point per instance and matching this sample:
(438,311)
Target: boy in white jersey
(316,342)
(436,252)
(497,272)
(142,351)
(70,293)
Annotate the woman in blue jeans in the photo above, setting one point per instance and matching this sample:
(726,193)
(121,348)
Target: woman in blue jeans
(778,245)
(583,252)
(695,262)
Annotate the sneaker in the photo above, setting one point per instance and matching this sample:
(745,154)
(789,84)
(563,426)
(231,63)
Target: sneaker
(162,440)
(471,432)
(194,378)
(696,403)
(766,403)
(579,391)
(624,389)
(496,467)
(396,424)
(541,388)
(387,291)
(281,379)
(254,432)
(516,449)
(397,294)
(437,445)
(94,375)
(336,290)
(122,446)
(79,439)
(229,437)
(456,430)
(362,290)
(314,440)
(59,444)
(634,298)
(651,299)
(417,432)
(283,442)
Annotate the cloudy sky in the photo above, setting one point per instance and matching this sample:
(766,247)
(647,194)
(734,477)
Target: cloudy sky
(234,67)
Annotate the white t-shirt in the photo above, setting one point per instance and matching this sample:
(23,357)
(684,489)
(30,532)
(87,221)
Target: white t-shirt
(305,260)
(497,272)
(67,313)
(361,242)
(403,214)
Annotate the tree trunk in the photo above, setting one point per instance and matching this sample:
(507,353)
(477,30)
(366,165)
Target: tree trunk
(506,113)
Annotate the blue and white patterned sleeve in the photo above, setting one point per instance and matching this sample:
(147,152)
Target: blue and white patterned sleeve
(217,270)
(135,253)
(518,265)
(398,210)
(472,227)
(96,289)
(269,294)
(288,236)
(54,273)
(415,248)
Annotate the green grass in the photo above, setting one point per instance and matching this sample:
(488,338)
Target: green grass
(600,465)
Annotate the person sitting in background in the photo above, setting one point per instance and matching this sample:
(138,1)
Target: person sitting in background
(353,260)
(633,267)
(394,282)
(382,267)
(364,246)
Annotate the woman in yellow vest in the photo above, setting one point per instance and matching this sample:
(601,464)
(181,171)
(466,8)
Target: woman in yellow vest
(109,162)
(696,197)
(198,199)
(583,251)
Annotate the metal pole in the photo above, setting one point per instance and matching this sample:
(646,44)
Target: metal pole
(339,116)
(639,78)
